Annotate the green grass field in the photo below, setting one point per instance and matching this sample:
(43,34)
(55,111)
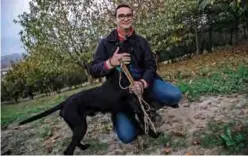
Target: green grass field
(17,112)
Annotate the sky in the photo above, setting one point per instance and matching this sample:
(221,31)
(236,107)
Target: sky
(10,39)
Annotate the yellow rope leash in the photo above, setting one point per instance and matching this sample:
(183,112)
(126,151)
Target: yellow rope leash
(142,102)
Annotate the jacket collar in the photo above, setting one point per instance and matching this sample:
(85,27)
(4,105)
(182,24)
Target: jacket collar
(113,36)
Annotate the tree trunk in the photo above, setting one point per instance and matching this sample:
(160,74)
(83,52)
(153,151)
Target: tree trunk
(202,41)
(224,38)
(58,91)
(31,96)
(245,35)
(157,59)
(236,33)
(196,39)
(50,88)
(16,95)
(210,39)
(90,79)
(231,37)
(16,100)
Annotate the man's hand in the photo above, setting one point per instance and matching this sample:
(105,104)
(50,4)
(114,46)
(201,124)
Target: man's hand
(137,88)
(116,59)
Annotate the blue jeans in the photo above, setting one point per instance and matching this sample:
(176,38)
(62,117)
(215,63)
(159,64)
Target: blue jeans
(163,92)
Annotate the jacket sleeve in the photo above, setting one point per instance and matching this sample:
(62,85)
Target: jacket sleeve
(149,64)
(98,67)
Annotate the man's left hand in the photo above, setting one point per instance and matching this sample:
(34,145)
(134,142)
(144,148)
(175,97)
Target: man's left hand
(137,88)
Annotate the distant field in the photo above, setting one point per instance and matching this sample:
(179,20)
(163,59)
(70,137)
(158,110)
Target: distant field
(17,112)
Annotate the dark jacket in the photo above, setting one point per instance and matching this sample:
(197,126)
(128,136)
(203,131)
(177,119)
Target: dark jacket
(142,59)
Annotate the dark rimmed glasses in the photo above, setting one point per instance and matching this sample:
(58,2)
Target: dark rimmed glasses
(122,16)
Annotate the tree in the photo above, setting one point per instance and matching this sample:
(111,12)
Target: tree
(69,29)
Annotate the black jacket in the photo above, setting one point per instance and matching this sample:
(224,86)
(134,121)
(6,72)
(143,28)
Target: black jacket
(141,57)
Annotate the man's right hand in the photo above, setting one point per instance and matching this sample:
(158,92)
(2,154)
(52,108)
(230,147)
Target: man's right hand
(116,59)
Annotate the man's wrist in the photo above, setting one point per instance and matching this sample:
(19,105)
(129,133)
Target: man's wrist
(111,62)
(145,84)
(108,65)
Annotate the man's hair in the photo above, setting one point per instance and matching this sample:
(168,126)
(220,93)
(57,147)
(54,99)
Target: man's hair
(122,6)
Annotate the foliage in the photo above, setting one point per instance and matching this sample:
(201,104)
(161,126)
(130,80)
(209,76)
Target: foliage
(16,113)
(221,81)
(37,74)
(232,136)
(60,37)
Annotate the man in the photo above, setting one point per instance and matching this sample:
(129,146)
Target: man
(124,44)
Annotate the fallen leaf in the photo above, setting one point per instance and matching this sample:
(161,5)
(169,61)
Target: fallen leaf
(196,142)
(167,150)
(16,128)
(190,81)
(186,105)
(204,107)
(171,116)
(178,133)
(49,149)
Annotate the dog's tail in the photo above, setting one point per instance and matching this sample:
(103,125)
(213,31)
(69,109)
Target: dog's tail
(43,114)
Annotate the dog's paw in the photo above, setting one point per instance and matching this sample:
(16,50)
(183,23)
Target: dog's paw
(83,146)
(67,153)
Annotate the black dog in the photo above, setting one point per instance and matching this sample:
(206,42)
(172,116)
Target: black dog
(107,98)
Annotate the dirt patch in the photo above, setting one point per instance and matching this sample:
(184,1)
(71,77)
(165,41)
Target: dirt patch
(51,135)
(194,117)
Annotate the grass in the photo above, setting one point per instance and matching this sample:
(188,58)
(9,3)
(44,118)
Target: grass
(45,131)
(17,112)
(178,143)
(223,80)
(163,141)
(231,136)
(150,143)
(221,72)
(96,147)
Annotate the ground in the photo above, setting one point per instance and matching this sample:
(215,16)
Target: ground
(51,135)
(212,118)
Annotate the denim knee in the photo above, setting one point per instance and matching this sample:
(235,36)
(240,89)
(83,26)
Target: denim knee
(125,129)
(176,96)
(166,92)
(126,138)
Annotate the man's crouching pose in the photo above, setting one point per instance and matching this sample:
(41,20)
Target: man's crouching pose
(123,44)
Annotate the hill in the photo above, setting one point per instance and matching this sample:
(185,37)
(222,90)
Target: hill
(6,60)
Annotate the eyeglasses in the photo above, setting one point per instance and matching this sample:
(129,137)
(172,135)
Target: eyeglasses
(122,16)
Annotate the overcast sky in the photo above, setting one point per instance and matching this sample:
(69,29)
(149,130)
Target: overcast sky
(10,39)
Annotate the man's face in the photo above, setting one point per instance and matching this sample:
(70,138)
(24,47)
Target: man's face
(124,18)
